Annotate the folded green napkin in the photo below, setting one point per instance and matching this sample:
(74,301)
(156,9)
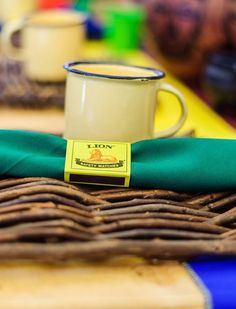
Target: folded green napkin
(186,164)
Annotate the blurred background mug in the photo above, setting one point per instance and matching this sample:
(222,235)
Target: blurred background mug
(49,39)
(114,102)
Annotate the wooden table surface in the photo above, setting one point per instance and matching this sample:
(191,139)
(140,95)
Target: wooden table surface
(123,283)
(118,283)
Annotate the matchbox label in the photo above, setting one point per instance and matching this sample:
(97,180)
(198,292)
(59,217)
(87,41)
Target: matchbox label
(104,163)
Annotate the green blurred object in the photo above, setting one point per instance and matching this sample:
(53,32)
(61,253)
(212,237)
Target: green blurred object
(183,164)
(82,5)
(124,27)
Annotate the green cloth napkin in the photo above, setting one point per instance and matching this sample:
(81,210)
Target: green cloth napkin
(186,164)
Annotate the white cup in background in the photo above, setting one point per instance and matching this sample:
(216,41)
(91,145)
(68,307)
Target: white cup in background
(48,39)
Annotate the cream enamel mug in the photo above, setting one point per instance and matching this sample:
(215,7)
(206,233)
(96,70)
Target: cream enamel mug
(114,102)
(49,39)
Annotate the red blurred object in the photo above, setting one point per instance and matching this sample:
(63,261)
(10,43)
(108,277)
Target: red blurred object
(50,4)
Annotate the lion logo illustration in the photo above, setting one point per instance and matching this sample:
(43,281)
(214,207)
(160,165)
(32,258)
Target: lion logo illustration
(97,156)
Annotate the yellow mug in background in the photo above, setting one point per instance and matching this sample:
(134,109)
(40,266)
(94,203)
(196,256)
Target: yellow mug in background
(115,102)
(11,9)
(48,40)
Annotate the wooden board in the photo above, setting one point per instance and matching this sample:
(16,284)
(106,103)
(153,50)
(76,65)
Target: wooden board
(122,283)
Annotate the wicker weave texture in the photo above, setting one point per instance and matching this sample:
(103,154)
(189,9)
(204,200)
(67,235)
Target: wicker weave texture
(16,90)
(47,219)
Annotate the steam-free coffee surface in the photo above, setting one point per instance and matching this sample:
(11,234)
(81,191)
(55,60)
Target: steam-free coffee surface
(114,70)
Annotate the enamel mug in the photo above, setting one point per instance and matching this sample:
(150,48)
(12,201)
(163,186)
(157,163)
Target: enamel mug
(114,102)
(49,39)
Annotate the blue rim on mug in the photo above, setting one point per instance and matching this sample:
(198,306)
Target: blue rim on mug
(158,73)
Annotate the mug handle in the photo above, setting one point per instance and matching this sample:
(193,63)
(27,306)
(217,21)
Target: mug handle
(8,31)
(184,111)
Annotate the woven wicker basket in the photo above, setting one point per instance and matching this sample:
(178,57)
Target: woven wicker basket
(16,90)
(47,219)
